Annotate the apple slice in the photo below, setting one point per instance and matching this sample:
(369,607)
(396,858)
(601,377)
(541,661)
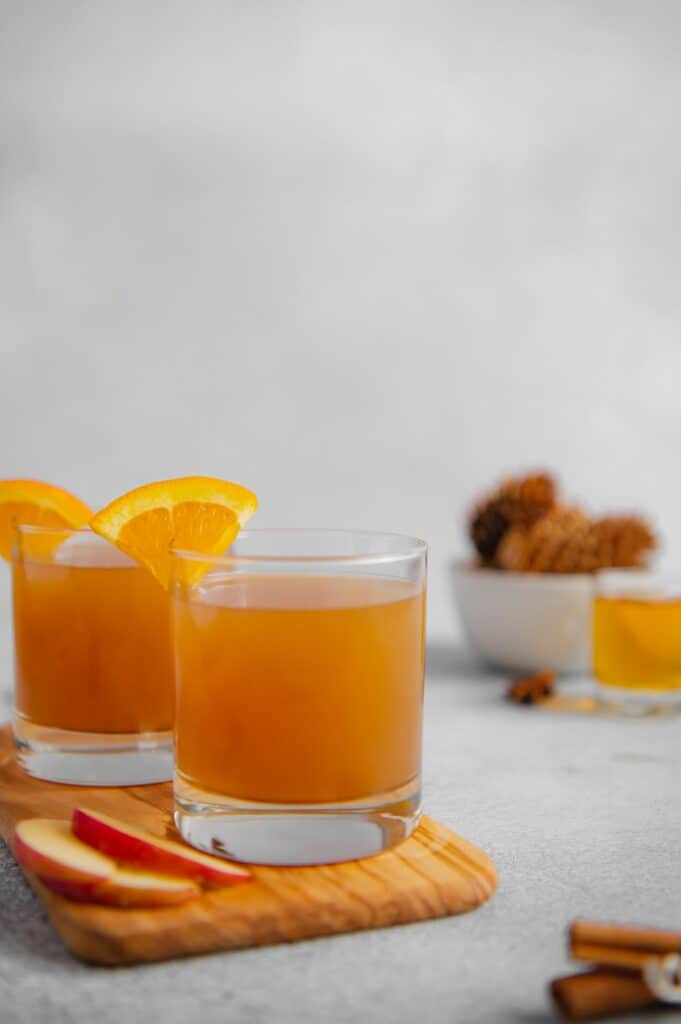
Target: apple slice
(128,888)
(72,868)
(139,848)
(48,848)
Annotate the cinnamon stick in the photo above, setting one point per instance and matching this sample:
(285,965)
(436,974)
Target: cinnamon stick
(623,946)
(599,993)
(532,689)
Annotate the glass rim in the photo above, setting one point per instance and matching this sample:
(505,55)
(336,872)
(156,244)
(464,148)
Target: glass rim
(413,547)
(618,582)
(42,528)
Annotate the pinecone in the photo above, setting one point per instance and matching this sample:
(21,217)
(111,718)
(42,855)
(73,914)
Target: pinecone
(561,541)
(487,527)
(518,500)
(622,541)
(566,541)
(523,500)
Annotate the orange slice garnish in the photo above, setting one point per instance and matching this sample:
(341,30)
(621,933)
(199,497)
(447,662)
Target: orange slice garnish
(198,513)
(34,503)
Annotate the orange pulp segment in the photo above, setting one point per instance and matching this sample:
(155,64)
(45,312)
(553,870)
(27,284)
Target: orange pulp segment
(34,503)
(199,513)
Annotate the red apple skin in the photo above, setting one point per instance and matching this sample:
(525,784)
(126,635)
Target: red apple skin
(132,846)
(115,893)
(43,862)
(81,892)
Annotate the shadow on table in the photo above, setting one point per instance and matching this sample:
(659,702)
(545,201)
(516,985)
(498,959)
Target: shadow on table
(518,1017)
(454,659)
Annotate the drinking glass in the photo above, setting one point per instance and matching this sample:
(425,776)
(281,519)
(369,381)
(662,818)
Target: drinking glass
(94,684)
(300,659)
(637,639)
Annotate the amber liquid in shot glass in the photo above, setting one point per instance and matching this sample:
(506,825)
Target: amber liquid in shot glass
(637,639)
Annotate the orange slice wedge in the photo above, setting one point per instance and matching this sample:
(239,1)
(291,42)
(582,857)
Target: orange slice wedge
(35,503)
(199,513)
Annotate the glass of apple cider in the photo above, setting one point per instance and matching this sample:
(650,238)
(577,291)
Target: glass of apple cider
(94,682)
(637,639)
(299,669)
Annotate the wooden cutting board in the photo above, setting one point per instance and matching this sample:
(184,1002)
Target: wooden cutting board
(433,874)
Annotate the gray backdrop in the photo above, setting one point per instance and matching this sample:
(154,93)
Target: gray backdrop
(358,256)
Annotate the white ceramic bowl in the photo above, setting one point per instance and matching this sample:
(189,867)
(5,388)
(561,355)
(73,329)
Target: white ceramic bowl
(526,621)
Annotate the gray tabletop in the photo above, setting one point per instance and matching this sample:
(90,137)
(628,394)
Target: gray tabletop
(581,815)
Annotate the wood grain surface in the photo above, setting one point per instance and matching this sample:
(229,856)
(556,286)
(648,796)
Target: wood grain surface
(432,874)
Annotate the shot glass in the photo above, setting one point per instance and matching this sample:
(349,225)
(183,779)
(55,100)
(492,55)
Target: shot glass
(300,665)
(637,640)
(94,682)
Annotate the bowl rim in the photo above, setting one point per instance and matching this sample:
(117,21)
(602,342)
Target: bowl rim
(465,567)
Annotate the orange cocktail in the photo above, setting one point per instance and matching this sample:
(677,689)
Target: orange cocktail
(300,690)
(94,680)
(93,659)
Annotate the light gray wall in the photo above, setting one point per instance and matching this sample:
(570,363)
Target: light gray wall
(359,256)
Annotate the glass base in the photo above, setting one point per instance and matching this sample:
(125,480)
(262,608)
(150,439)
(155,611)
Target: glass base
(630,701)
(93,758)
(295,834)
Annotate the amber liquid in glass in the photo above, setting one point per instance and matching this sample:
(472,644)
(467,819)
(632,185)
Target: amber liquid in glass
(637,643)
(299,689)
(93,651)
